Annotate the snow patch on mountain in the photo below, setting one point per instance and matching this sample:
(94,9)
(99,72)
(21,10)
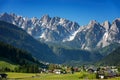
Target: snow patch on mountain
(56,29)
(72,36)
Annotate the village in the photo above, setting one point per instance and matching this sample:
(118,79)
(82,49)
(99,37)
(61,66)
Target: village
(101,72)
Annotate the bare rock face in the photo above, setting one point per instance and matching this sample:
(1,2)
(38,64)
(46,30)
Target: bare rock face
(46,28)
(60,30)
(90,35)
(112,34)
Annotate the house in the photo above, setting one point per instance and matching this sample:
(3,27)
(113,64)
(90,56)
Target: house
(107,72)
(101,76)
(111,73)
(57,71)
(90,70)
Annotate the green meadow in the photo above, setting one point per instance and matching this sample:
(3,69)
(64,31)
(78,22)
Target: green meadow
(51,76)
(6,64)
(47,76)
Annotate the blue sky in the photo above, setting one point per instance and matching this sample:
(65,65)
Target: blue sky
(81,11)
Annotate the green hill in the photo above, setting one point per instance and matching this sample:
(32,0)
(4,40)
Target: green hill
(112,59)
(75,56)
(15,55)
(108,49)
(11,58)
(6,64)
(17,37)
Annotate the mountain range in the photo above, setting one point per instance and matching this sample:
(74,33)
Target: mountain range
(58,30)
(58,40)
(19,38)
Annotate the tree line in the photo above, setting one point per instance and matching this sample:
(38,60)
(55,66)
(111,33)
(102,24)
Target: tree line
(19,57)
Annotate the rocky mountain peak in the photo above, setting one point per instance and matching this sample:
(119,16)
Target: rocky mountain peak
(47,28)
(117,22)
(58,30)
(115,25)
(106,25)
(4,14)
(94,25)
(92,22)
(34,19)
(45,18)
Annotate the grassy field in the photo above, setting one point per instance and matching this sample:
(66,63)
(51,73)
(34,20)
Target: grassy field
(27,76)
(5,64)
(76,76)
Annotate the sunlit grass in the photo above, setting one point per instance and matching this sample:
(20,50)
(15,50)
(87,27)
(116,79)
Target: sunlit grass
(49,76)
(19,75)
(5,64)
(116,78)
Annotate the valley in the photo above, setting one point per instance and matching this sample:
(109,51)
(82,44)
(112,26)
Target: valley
(59,39)
(50,47)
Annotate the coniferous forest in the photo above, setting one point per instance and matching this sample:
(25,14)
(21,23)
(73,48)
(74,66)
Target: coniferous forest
(18,57)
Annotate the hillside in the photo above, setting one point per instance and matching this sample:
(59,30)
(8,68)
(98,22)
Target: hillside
(74,57)
(14,55)
(4,63)
(112,59)
(17,37)
(14,59)
(108,49)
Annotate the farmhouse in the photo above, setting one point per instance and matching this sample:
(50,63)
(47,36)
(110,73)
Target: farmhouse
(57,71)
